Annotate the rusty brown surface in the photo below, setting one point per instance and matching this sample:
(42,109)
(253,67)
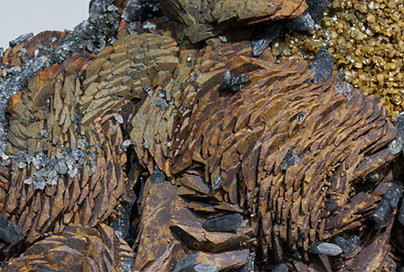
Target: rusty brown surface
(169,231)
(53,102)
(222,152)
(243,139)
(77,248)
(200,20)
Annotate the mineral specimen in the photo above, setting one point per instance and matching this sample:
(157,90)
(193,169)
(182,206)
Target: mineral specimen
(244,162)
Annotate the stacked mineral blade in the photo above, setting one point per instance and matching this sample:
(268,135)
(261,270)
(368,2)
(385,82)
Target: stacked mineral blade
(67,146)
(77,248)
(282,150)
(200,20)
(247,162)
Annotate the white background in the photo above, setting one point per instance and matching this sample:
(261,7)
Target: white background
(24,16)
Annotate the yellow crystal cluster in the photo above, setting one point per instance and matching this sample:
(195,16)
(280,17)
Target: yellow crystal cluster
(366,38)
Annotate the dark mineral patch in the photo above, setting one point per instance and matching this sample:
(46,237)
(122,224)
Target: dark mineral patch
(322,65)
(304,23)
(186,264)
(225,223)
(9,231)
(280,268)
(328,249)
(157,176)
(394,194)
(217,183)
(263,37)
(136,10)
(384,211)
(317,8)
(290,159)
(206,268)
(382,214)
(401,214)
(347,243)
(249,266)
(21,39)
(233,84)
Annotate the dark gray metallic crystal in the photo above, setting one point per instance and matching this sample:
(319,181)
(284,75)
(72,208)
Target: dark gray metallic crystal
(206,268)
(186,264)
(401,215)
(217,183)
(322,65)
(347,243)
(137,10)
(400,129)
(328,249)
(249,266)
(290,159)
(21,39)
(317,8)
(9,231)
(384,211)
(304,23)
(233,84)
(93,34)
(394,194)
(280,268)
(263,37)
(382,214)
(157,176)
(225,223)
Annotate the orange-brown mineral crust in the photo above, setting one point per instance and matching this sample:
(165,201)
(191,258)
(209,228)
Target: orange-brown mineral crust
(200,20)
(288,152)
(77,248)
(243,157)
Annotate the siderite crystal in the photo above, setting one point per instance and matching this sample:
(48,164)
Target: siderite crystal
(243,161)
(77,248)
(74,164)
(204,19)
